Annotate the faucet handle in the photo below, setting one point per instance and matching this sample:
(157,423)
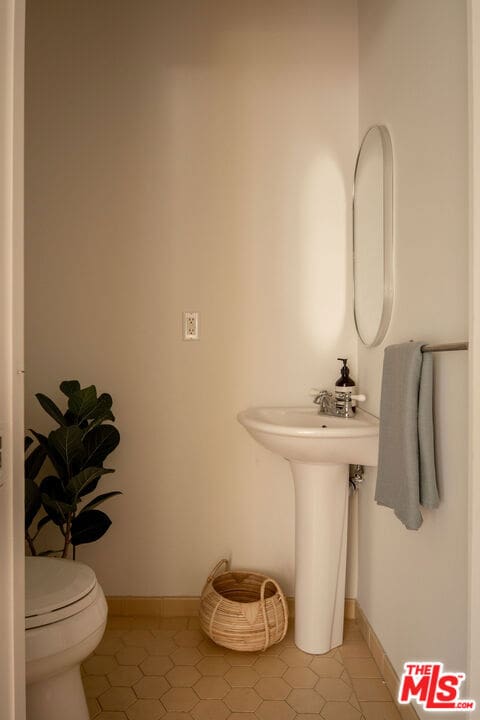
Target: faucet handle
(318,395)
(358,398)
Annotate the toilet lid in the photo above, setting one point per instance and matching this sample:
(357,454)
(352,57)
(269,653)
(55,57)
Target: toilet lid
(52,584)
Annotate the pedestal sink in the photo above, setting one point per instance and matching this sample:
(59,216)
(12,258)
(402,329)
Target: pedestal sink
(320,449)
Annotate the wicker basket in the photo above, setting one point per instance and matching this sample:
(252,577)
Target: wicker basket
(243,610)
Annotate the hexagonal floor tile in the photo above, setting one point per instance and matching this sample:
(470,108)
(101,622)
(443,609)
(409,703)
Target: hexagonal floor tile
(306,701)
(346,678)
(242,700)
(210,710)
(160,646)
(156,665)
(172,623)
(180,699)
(119,698)
(359,649)
(207,647)
(144,622)
(189,638)
(130,656)
(353,700)
(275,710)
(379,711)
(212,688)
(214,665)
(370,689)
(124,676)
(109,646)
(340,711)
(300,677)
(295,657)
(242,677)
(146,709)
(183,676)
(272,688)
(270,666)
(186,656)
(137,638)
(333,689)
(99,664)
(241,659)
(326,667)
(94,685)
(164,633)
(151,687)
(93,707)
(362,667)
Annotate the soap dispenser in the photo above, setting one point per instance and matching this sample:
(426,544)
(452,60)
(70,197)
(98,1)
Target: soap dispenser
(345,382)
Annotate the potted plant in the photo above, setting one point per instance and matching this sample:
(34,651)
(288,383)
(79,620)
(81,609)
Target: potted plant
(75,453)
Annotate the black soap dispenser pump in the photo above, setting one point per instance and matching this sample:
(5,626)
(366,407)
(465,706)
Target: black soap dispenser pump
(345,383)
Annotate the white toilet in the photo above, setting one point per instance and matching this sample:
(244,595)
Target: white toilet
(65,617)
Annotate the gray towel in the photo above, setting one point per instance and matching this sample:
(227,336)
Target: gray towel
(406,464)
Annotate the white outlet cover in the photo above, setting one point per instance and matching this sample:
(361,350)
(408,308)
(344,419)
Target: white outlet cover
(190,325)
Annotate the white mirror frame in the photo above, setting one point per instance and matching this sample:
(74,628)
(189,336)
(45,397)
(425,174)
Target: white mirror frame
(388,269)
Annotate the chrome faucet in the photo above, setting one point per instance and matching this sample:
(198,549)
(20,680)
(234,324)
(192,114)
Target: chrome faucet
(339,404)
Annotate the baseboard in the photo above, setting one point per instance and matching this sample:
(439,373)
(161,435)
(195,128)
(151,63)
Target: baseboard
(350,608)
(182,606)
(407,712)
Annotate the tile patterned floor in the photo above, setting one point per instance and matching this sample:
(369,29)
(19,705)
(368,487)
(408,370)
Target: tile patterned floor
(152,668)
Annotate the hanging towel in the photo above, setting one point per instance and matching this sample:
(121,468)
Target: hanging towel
(406,464)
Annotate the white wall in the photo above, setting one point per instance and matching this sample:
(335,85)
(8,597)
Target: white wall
(12,617)
(189,156)
(413,78)
(474,355)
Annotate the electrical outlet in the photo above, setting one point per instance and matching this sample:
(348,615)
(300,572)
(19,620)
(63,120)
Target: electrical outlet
(190,326)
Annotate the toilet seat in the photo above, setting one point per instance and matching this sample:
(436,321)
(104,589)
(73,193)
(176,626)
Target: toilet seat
(56,589)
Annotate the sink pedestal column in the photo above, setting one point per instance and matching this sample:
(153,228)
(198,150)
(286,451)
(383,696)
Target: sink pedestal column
(321,517)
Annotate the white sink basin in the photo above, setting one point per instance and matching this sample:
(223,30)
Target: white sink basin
(320,449)
(300,434)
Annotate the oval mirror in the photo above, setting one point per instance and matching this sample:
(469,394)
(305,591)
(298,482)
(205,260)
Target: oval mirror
(373,236)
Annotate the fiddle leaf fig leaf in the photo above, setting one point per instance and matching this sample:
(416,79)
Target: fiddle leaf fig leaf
(44,521)
(99,443)
(99,499)
(68,387)
(67,443)
(50,452)
(34,462)
(89,526)
(57,510)
(83,402)
(52,486)
(50,408)
(108,415)
(78,483)
(33,501)
(103,406)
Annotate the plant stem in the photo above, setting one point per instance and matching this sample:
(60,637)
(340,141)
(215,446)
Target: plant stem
(30,544)
(67,536)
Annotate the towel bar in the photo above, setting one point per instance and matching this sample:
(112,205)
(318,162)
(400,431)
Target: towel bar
(445,347)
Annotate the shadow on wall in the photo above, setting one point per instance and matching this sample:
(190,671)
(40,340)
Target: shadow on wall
(325,262)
